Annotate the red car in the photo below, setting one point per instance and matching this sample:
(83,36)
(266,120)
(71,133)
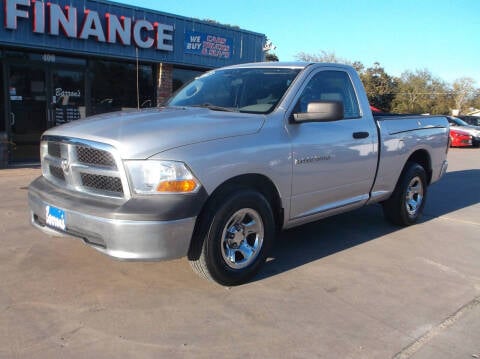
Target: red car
(459,138)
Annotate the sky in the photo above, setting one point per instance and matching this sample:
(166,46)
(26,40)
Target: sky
(442,36)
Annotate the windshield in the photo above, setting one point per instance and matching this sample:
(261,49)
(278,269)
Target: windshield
(458,121)
(253,90)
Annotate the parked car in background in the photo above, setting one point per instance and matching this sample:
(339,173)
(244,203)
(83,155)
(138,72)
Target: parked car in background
(473,131)
(459,138)
(471,120)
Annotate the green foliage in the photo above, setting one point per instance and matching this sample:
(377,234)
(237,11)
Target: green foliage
(475,103)
(271,57)
(421,92)
(215,22)
(464,93)
(268,46)
(357,65)
(380,87)
(322,56)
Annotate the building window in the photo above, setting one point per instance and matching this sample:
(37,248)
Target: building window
(114,86)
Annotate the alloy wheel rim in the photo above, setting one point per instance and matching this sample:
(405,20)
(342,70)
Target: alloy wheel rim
(414,196)
(242,238)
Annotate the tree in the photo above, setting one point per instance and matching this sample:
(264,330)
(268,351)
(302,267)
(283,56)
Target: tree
(475,103)
(421,92)
(330,57)
(323,56)
(271,57)
(464,93)
(380,86)
(215,22)
(358,66)
(413,92)
(267,47)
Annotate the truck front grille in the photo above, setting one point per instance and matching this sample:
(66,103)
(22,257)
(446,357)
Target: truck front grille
(83,166)
(54,149)
(99,182)
(93,156)
(57,172)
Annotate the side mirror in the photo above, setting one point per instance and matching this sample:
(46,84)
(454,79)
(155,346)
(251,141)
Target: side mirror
(321,111)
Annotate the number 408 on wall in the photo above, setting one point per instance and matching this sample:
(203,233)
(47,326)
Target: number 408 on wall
(48,57)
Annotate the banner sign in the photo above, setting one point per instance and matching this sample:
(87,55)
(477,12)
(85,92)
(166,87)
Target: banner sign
(208,45)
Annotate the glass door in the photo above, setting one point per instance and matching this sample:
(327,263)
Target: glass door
(27,115)
(68,96)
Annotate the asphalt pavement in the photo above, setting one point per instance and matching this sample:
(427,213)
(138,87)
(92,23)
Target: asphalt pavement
(350,286)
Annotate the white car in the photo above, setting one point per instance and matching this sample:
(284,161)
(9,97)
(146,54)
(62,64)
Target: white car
(474,131)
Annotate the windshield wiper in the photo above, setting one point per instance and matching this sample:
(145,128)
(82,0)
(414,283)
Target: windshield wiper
(215,108)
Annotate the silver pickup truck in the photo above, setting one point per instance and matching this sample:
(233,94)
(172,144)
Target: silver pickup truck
(235,156)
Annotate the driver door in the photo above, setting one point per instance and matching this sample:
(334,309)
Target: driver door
(334,162)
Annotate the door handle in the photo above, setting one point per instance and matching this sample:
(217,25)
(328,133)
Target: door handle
(12,119)
(359,135)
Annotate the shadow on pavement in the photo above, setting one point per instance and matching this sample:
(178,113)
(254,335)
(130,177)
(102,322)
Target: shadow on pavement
(456,190)
(310,242)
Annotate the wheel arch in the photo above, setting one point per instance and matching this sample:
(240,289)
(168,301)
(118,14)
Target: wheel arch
(422,157)
(254,181)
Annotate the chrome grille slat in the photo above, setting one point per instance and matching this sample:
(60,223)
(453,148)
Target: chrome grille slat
(84,166)
(54,149)
(94,170)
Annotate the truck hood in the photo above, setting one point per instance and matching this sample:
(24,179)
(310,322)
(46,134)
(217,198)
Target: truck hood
(142,134)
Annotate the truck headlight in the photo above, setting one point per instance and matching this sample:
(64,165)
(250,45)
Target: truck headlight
(151,176)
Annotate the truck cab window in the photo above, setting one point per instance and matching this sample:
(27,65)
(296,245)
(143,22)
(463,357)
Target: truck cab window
(330,86)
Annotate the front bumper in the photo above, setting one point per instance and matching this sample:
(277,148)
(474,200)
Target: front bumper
(113,228)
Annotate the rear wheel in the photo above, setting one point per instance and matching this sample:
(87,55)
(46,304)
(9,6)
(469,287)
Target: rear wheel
(233,239)
(405,206)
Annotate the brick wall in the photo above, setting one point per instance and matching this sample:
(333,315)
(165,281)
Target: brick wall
(165,76)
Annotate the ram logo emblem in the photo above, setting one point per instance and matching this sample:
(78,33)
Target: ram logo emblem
(65,165)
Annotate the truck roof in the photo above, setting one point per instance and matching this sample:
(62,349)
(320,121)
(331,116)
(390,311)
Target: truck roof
(284,64)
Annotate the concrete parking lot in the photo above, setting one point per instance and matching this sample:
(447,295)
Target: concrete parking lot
(351,286)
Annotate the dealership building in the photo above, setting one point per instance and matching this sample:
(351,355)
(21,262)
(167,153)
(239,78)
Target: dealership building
(64,60)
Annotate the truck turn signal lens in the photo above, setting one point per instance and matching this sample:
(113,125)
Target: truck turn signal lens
(177,186)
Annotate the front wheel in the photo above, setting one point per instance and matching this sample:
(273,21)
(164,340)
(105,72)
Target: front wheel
(405,206)
(238,231)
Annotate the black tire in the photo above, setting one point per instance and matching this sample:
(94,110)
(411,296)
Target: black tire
(221,249)
(405,205)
